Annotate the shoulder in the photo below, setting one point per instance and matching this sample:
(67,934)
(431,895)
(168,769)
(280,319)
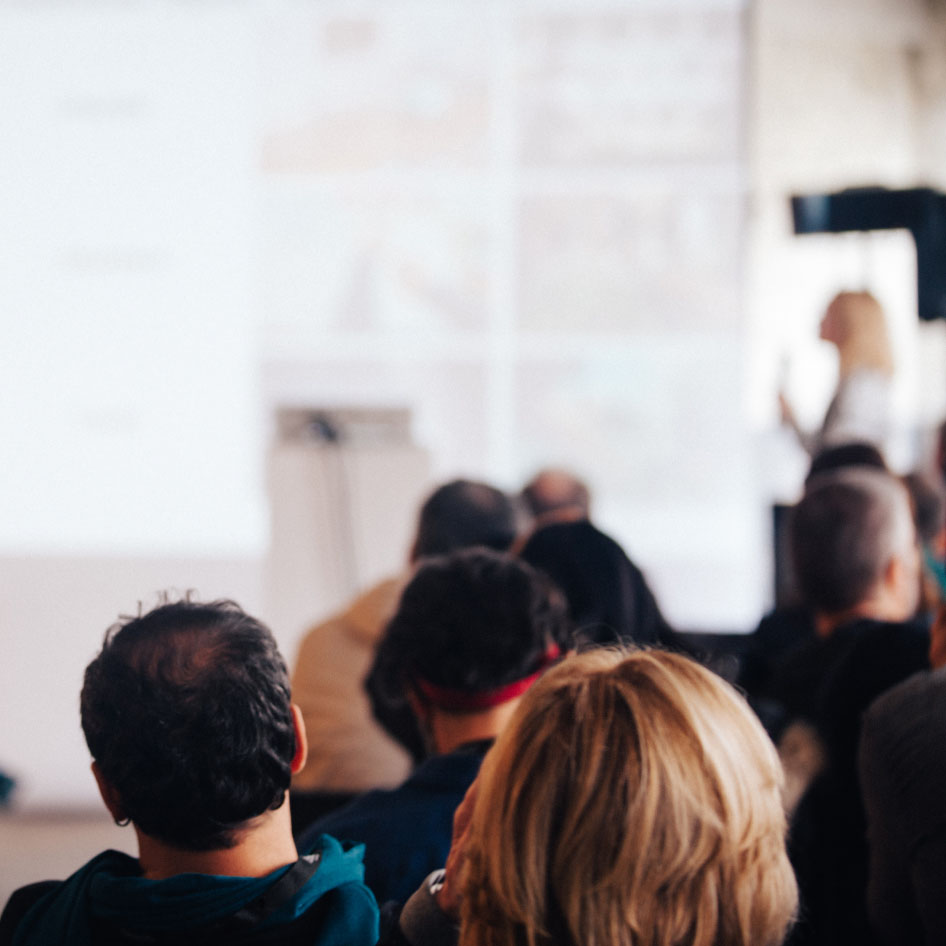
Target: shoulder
(867,383)
(921,697)
(421,922)
(902,766)
(362,621)
(872,656)
(865,376)
(890,642)
(365,808)
(429,795)
(19,904)
(377,812)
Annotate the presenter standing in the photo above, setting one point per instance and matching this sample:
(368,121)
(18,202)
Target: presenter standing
(861,407)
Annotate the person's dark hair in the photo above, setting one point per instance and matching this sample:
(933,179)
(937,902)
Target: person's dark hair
(843,534)
(473,622)
(854,454)
(464,514)
(186,711)
(608,597)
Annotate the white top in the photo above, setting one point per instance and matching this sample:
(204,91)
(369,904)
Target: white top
(859,411)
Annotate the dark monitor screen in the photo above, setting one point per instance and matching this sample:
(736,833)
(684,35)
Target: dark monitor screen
(921,210)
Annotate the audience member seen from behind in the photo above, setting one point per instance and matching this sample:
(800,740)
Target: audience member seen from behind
(860,408)
(792,623)
(608,597)
(355,752)
(555,494)
(903,781)
(855,557)
(633,798)
(857,561)
(472,632)
(187,714)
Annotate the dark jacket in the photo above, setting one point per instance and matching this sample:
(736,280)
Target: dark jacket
(406,830)
(827,841)
(318,901)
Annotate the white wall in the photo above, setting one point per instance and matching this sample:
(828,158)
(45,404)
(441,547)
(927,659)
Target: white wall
(54,611)
(130,415)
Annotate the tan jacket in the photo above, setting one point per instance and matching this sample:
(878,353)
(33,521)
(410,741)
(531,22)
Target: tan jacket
(348,750)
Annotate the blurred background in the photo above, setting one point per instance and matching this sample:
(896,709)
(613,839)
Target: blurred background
(271,269)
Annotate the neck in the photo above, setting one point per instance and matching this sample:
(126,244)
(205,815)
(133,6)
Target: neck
(262,846)
(449,731)
(846,363)
(852,359)
(879,608)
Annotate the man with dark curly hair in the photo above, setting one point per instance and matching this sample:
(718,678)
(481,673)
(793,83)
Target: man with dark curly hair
(194,739)
(356,753)
(472,632)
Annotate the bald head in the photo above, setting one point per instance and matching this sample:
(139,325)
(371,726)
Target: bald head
(555,491)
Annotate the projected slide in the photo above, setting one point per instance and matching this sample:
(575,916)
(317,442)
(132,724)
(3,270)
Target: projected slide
(127,412)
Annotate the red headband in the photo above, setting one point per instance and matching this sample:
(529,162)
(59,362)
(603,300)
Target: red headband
(448,698)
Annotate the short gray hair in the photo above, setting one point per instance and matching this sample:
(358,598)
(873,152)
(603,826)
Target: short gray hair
(845,531)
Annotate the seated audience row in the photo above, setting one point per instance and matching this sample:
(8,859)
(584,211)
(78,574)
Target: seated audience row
(610,796)
(356,752)
(630,797)
(472,631)
(633,798)
(856,561)
(370,740)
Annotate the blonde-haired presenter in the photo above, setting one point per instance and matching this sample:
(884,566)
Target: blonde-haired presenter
(632,799)
(859,411)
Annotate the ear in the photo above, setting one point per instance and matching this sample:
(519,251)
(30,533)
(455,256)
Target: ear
(426,718)
(302,745)
(938,543)
(893,573)
(902,581)
(109,795)
(419,707)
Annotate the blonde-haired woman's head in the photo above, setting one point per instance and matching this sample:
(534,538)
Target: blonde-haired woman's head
(854,322)
(633,799)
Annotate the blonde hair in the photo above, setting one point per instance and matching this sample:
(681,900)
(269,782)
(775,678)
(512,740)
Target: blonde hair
(633,799)
(861,330)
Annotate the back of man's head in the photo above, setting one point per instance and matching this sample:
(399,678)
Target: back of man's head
(556,491)
(463,514)
(845,532)
(186,712)
(473,628)
(844,455)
